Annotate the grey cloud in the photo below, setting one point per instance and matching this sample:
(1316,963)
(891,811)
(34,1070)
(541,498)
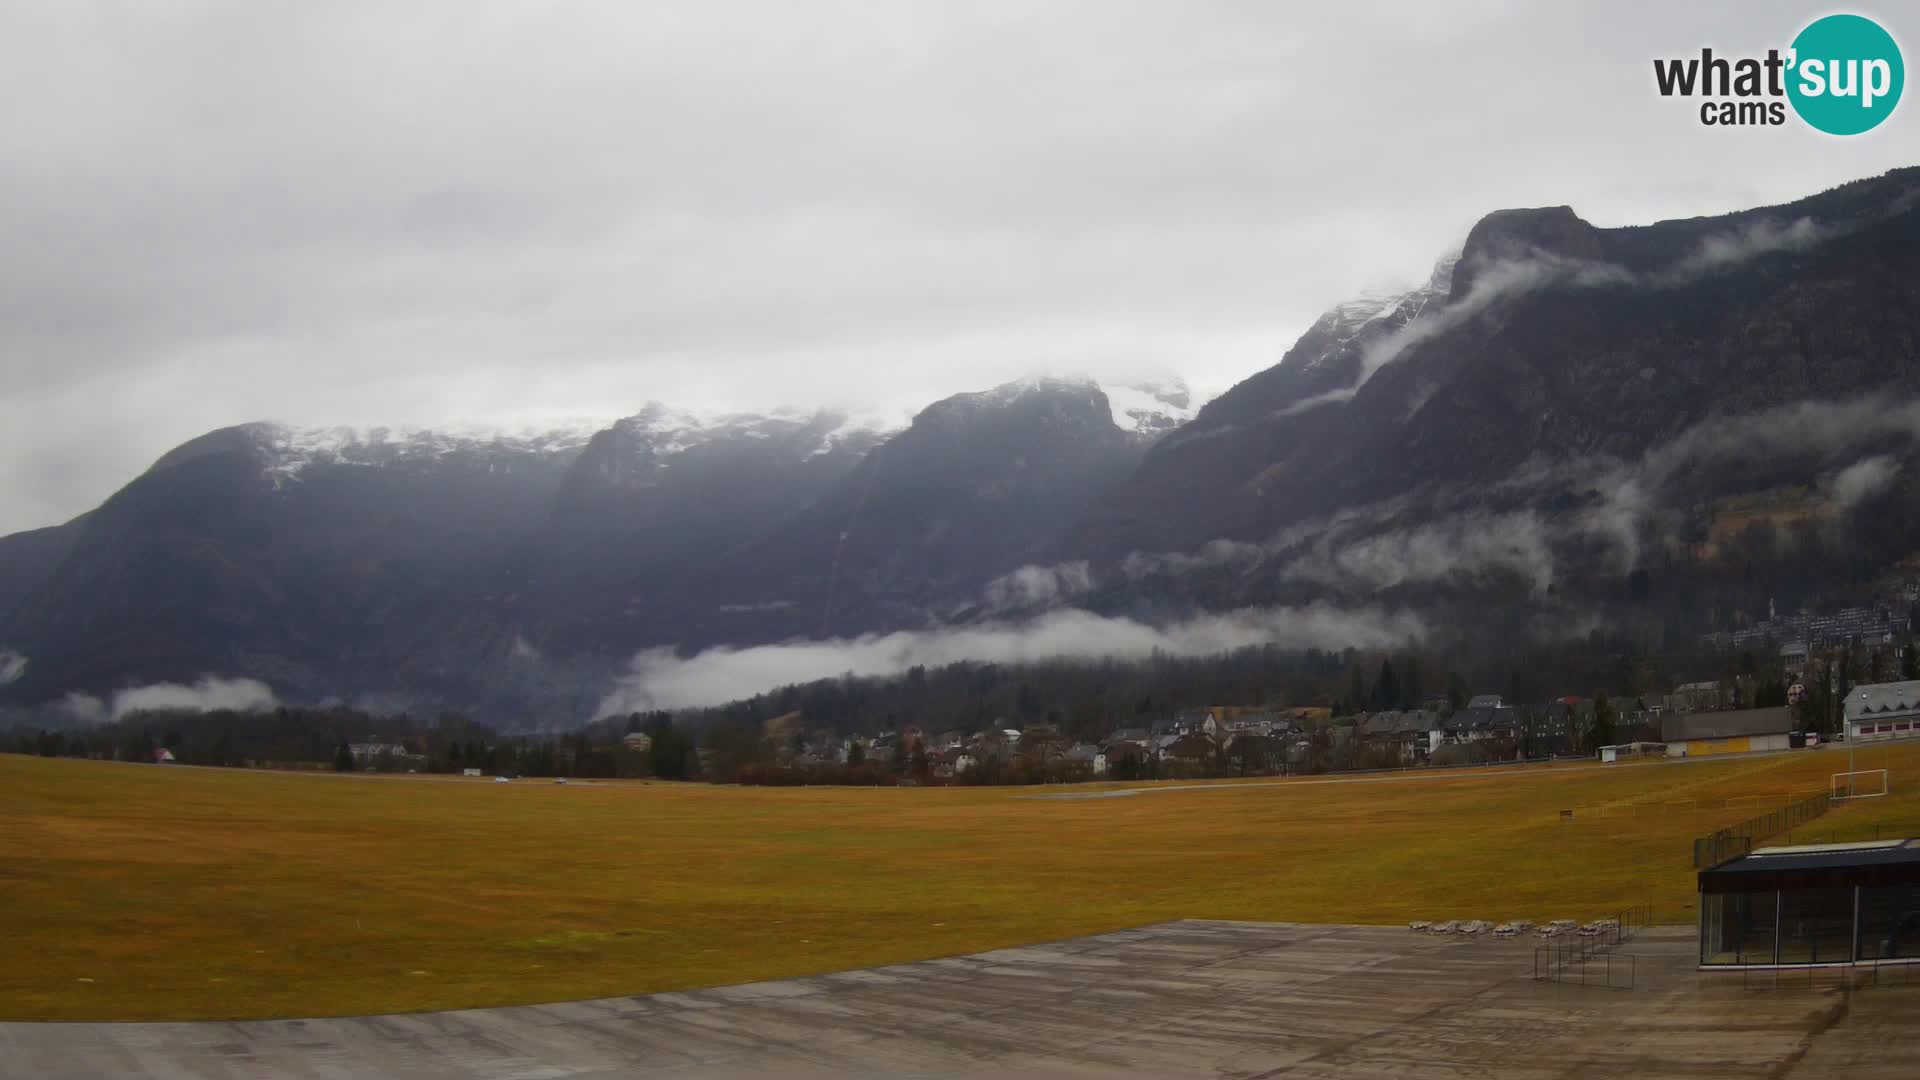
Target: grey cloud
(749,609)
(1032,587)
(12,666)
(240,211)
(1807,427)
(660,679)
(1758,238)
(1633,506)
(1461,548)
(1862,479)
(1500,281)
(1212,555)
(208,693)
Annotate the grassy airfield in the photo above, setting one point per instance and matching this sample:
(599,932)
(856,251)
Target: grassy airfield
(140,892)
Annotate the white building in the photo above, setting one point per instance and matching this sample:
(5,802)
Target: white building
(1879,711)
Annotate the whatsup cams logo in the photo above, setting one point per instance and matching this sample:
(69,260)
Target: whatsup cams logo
(1842,75)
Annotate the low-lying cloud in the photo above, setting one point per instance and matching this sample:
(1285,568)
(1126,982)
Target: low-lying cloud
(1496,283)
(1464,548)
(1504,279)
(206,695)
(1722,250)
(1863,479)
(1212,555)
(659,679)
(1629,506)
(1032,587)
(1825,428)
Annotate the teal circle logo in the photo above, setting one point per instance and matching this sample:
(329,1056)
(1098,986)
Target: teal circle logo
(1846,74)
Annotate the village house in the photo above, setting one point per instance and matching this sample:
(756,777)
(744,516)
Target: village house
(1487,716)
(1193,748)
(950,761)
(366,753)
(1181,723)
(1794,656)
(1127,752)
(988,744)
(1556,728)
(1415,731)
(1695,697)
(1091,756)
(1257,722)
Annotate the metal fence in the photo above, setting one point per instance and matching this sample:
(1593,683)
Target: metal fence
(1585,964)
(1737,840)
(1588,957)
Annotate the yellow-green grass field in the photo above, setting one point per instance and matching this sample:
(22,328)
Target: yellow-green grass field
(146,892)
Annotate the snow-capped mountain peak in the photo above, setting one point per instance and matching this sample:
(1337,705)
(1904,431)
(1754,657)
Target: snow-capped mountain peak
(290,450)
(1144,408)
(1151,407)
(675,431)
(1348,320)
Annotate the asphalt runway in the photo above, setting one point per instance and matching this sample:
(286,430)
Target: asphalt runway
(1187,998)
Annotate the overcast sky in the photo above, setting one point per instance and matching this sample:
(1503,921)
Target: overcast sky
(409,212)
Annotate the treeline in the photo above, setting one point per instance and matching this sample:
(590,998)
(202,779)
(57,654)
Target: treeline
(327,738)
(1073,702)
(1086,700)
(1083,700)
(286,737)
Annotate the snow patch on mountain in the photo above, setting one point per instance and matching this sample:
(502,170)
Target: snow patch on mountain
(657,432)
(664,433)
(1350,319)
(1145,408)
(292,450)
(1151,407)
(861,431)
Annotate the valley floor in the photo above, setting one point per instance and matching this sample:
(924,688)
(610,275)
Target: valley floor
(148,893)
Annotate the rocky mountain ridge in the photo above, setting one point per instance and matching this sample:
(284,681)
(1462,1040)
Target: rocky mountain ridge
(1567,427)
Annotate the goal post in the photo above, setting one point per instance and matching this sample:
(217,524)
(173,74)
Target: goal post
(1859,784)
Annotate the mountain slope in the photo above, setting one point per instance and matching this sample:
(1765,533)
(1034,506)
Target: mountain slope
(977,485)
(516,571)
(1555,341)
(304,560)
(659,497)
(1653,427)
